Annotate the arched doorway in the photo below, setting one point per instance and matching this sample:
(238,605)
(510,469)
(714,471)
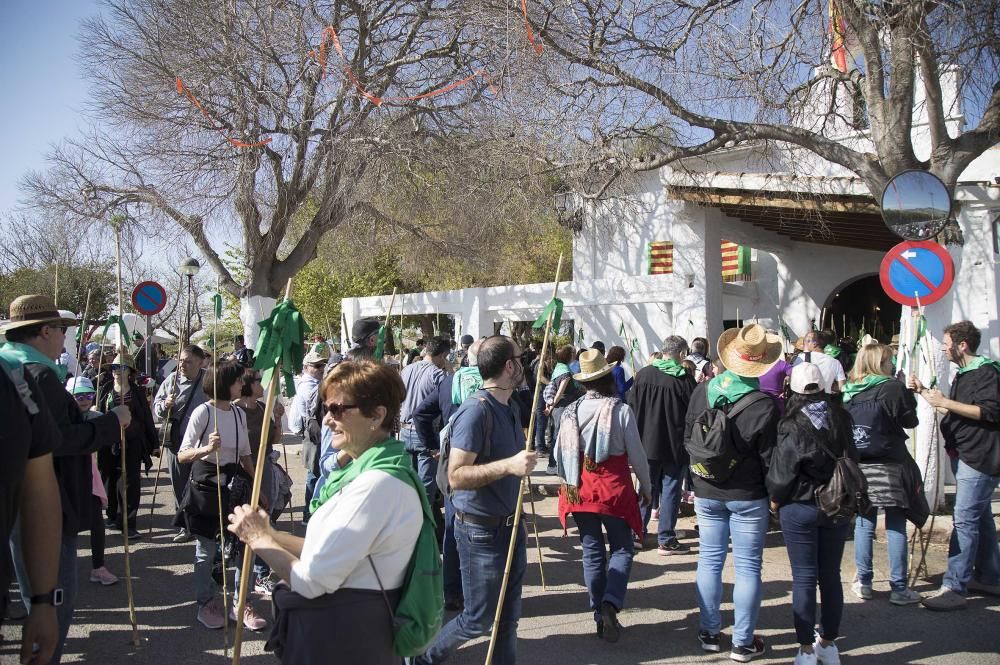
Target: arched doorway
(860,305)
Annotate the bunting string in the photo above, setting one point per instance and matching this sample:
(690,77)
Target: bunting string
(183,90)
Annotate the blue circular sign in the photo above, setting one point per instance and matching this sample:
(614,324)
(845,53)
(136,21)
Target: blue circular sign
(149,298)
(917,273)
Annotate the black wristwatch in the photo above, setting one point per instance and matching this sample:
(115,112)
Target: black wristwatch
(53,598)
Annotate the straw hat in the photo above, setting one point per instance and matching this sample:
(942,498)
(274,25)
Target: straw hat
(749,351)
(593,366)
(35,309)
(124,358)
(319,354)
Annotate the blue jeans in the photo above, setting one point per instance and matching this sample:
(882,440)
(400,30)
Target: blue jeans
(483,555)
(204,561)
(541,424)
(606,579)
(668,479)
(973,551)
(556,417)
(449,553)
(67,580)
(864,534)
(815,545)
(423,461)
(746,522)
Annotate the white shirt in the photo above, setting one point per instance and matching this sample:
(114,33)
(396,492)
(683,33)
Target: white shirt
(829,367)
(374,514)
(232,429)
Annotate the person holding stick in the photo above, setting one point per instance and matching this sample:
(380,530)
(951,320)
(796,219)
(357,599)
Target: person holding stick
(485,496)
(199,511)
(971,429)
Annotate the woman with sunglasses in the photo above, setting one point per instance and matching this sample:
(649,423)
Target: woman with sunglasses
(140,442)
(344,578)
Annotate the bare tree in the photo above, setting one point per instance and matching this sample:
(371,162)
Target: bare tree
(686,79)
(225,119)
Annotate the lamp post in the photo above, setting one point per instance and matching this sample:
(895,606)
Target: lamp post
(189,267)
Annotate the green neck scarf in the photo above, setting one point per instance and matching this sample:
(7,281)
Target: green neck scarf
(852,388)
(467,380)
(387,456)
(728,388)
(978,362)
(560,369)
(28,354)
(670,367)
(832,351)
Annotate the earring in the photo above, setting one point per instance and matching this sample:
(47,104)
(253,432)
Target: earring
(374,427)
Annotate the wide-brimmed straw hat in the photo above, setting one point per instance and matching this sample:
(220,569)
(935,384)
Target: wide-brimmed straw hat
(749,351)
(593,366)
(34,309)
(124,358)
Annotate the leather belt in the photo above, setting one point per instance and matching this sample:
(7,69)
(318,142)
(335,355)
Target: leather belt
(484,520)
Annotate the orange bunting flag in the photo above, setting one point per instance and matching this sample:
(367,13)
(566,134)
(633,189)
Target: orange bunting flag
(527,27)
(330,36)
(183,90)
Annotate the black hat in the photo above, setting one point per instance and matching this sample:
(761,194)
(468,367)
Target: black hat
(467,340)
(598,345)
(363,329)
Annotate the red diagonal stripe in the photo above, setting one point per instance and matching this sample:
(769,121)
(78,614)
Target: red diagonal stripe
(916,273)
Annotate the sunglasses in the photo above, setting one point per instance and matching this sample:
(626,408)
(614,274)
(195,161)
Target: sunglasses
(84,397)
(337,410)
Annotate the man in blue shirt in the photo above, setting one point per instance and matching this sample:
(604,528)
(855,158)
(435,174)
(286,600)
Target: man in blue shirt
(486,480)
(420,379)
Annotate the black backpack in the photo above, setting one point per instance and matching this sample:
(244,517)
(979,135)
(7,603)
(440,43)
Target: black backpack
(713,446)
(874,430)
(441,477)
(846,493)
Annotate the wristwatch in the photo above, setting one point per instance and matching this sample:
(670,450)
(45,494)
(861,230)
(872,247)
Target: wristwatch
(53,598)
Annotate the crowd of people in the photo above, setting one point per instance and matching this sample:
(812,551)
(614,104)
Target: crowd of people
(414,475)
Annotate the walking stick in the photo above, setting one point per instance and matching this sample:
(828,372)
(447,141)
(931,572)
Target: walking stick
(258,476)
(116,223)
(520,495)
(216,306)
(83,330)
(534,527)
(284,449)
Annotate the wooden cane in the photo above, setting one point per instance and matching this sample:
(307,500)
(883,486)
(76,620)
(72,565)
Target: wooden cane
(116,222)
(258,476)
(520,495)
(218,474)
(534,527)
(83,330)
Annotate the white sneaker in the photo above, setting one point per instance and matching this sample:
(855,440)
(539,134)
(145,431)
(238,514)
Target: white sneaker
(862,591)
(826,655)
(802,658)
(905,597)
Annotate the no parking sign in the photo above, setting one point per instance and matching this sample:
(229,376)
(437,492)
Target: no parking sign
(915,270)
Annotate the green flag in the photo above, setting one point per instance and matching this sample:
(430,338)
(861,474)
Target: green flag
(281,343)
(743,261)
(217,304)
(555,307)
(380,344)
(122,331)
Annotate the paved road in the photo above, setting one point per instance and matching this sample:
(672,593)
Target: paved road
(661,618)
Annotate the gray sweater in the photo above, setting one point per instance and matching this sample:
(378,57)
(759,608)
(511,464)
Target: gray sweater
(624,437)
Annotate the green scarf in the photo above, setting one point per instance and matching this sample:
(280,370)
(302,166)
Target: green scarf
(467,380)
(978,362)
(29,354)
(670,367)
(854,387)
(387,456)
(560,369)
(832,351)
(728,388)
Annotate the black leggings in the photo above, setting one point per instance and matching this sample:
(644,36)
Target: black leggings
(96,534)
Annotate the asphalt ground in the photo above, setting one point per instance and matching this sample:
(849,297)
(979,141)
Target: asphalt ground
(661,617)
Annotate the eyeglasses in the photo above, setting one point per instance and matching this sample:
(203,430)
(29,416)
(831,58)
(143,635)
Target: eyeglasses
(337,410)
(84,397)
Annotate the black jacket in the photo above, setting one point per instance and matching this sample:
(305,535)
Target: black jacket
(660,404)
(977,441)
(140,436)
(757,427)
(900,407)
(799,465)
(72,456)
(431,415)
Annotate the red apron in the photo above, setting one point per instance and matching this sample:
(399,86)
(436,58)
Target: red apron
(606,489)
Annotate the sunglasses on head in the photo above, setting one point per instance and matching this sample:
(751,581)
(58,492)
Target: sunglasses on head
(337,410)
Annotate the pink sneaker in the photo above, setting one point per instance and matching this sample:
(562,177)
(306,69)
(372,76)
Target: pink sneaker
(251,620)
(103,576)
(210,615)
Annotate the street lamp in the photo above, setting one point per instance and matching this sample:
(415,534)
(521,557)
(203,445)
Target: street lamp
(189,267)
(568,212)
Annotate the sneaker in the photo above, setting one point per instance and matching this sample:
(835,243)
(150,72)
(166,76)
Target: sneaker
(637,543)
(672,547)
(826,655)
(183,536)
(609,620)
(709,641)
(905,597)
(747,653)
(945,600)
(251,620)
(862,591)
(112,525)
(103,576)
(979,587)
(210,615)
(551,470)
(264,586)
(133,534)
(803,658)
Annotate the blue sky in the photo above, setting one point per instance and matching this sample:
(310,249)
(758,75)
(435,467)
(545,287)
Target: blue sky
(44,92)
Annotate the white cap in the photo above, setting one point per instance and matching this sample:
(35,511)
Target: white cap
(80,384)
(807,379)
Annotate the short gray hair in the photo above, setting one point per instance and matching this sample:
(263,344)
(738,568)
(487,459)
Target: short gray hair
(675,346)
